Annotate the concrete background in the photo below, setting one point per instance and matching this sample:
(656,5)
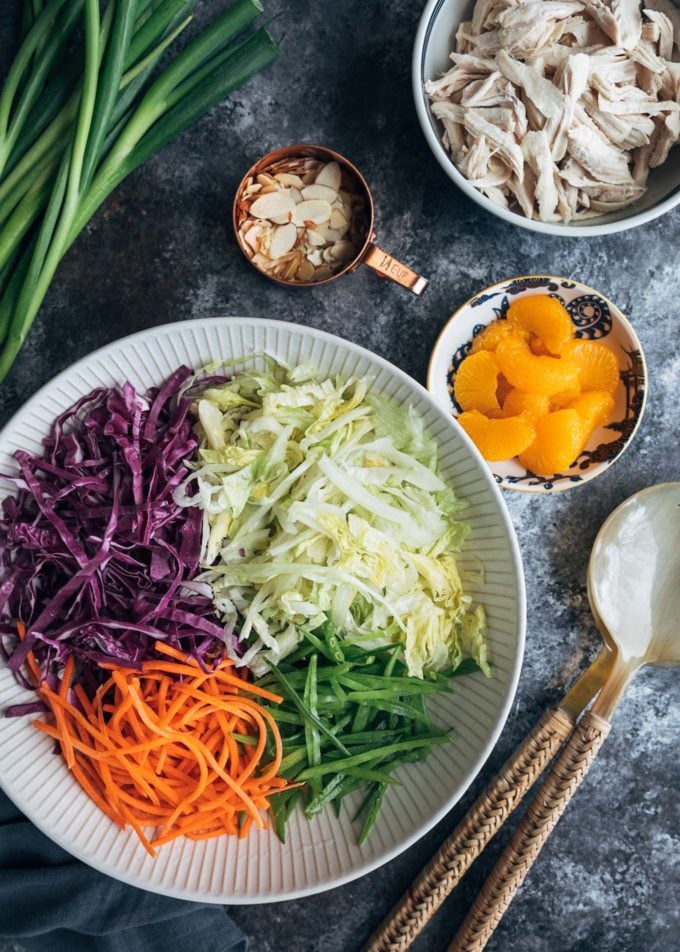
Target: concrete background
(161,250)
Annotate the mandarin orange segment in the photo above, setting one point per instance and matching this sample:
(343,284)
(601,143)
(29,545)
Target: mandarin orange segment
(538,347)
(559,441)
(529,389)
(544,316)
(595,409)
(503,389)
(530,405)
(543,375)
(475,383)
(491,336)
(497,439)
(564,399)
(598,368)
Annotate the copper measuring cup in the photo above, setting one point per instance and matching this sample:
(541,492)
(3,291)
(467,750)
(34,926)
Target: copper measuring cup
(384,265)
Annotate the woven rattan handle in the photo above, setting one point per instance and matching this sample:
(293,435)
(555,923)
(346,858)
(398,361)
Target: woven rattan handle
(482,822)
(518,857)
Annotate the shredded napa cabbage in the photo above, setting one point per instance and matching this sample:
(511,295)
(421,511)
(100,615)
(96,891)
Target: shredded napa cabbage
(321,498)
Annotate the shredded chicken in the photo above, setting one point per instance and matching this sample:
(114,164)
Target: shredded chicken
(665,32)
(558,109)
(604,161)
(536,149)
(672,12)
(628,16)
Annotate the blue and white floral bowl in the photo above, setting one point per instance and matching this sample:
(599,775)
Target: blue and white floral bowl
(594,318)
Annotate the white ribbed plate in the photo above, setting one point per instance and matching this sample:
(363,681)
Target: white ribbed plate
(322,853)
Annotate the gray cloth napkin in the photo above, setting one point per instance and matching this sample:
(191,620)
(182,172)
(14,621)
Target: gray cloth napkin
(50,902)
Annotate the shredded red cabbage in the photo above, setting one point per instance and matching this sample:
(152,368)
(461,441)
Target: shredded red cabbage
(95,556)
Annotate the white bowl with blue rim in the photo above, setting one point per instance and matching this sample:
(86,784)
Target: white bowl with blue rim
(594,317)
(435,40)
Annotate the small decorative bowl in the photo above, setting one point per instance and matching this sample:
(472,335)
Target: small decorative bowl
(594,318)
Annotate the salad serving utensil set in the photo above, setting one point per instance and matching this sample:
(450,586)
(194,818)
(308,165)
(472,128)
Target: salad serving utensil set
(634,594)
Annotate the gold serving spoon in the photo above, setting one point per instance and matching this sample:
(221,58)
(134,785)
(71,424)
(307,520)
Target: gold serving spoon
(634,593)
(488,814)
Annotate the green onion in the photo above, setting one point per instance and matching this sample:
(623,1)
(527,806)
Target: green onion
(54,36)
(71,131)
(372,815)
(286,717)
(394,708)
(304,710)
(311,730)
(329,792)
(366,803)
(362,717)
(328,629)
(320,645)
(374,738)
(245,739)
(371,775)
(375,754)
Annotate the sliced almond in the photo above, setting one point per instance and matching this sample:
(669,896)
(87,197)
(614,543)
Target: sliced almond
(330,235)
(265,179)
(287,178)
(280,266)
(294,264)
(316,211)
(261,261)
(264,240)
(296,219)
(273,205)
(338,221)
(329,175)
(310,192)
(283,239)
(305,271)
(314,238)
(252,237)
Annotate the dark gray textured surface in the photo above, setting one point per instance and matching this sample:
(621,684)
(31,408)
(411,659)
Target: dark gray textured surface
(161,250)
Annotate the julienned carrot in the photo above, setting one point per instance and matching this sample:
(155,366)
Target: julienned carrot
(31,663)
(164,747)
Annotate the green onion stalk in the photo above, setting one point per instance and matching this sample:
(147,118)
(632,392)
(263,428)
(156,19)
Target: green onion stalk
(75,122)
(350,717)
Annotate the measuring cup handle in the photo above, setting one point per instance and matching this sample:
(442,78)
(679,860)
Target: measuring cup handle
(385,266)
